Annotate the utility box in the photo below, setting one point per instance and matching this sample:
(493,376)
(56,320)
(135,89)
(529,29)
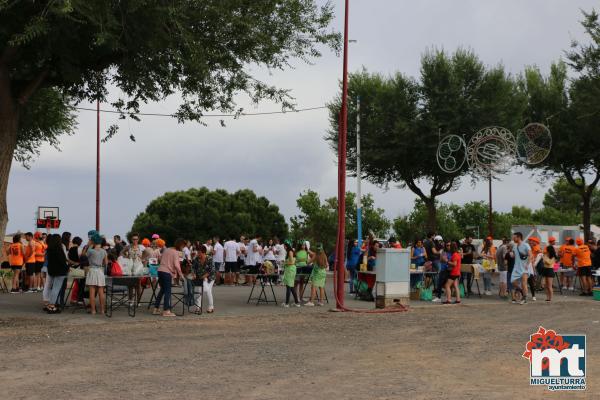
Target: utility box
(392,271)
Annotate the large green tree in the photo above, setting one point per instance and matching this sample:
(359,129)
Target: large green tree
(70,51)
(571,110)
(402,120)
(317,220)
(198,214)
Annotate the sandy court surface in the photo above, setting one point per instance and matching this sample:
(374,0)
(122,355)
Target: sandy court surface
(471,351)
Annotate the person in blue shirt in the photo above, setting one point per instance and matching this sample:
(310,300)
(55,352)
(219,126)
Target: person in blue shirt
(352,261)
(444,273)
(419,254)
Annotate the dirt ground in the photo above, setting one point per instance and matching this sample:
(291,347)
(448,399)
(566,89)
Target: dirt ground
(472,351)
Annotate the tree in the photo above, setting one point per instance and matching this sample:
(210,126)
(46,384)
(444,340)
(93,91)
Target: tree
(317,221)
(416,225)
(573,115)
(199,214)
(71,51)
(565,198)
(402,119)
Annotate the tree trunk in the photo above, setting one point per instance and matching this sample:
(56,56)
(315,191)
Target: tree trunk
(431,214)
(9,122)
(587,213)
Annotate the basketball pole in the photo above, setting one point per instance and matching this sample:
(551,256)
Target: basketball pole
(98,165)
(343,131)
(491,207)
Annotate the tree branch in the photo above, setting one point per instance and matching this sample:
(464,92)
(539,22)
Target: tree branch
(32,87)
(410,183)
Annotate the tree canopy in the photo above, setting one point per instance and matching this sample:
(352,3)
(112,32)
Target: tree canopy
(570,108)
(199,214)
(402,119)
(72,51)
(317,220)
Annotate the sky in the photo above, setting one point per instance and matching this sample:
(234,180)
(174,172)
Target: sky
(280,156)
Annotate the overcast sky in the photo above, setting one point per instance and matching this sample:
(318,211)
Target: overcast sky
(279,156)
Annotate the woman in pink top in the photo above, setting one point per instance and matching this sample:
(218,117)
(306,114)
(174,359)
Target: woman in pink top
(169,269)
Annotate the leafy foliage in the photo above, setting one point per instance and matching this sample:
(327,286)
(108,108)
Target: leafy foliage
(152,49)
(199,214)
(402,119)
(317,221)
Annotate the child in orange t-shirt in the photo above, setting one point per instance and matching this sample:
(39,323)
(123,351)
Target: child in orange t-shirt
(16,259)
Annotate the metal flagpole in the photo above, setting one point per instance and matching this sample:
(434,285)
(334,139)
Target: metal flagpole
(98,166)
(358,176)
(340,254)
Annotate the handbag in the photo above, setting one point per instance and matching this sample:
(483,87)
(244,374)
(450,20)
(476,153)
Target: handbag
(115,269)
(76,273)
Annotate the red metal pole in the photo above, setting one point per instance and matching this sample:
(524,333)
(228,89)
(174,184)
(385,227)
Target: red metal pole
(98,166)
(342,173)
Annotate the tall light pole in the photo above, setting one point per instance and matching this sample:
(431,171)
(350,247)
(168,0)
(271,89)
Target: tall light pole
(343,130)
(358,176)
(98,166)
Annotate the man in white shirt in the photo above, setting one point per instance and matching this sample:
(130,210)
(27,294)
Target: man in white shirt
(279,255)
(209,247)
(218,258)
(232,268)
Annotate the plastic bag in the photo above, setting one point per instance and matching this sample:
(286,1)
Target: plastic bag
(426,293)
(137,268)
(126,265)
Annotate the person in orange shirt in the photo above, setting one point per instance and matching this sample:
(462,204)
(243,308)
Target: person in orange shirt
(16,259)
(40,254)
(583,255)
(567,255)
(30,263)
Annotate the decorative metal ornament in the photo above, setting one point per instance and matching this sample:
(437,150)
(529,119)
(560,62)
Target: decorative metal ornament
(451,153)
(534,143)
(492,150)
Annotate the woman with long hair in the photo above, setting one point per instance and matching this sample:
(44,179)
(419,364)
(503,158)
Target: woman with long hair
(57,272)
(547,272)
(454,262)
(488,253)
(318,276)
(289,275)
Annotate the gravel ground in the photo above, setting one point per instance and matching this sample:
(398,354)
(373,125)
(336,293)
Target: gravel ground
(471,351)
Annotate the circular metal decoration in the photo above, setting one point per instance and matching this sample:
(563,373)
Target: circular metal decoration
(491,150)
(451,153)
(534,143)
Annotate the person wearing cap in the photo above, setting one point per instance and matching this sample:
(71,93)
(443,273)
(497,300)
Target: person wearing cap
(520,273)
(567,261)
(95,279)
(547,272)
(583,255)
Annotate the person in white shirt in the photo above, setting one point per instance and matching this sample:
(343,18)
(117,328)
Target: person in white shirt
(279,256)
(269,255)
(250,261)
(218,258)
(209,247)
(232,267)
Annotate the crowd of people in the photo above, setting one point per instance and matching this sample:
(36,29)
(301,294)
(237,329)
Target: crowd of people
(46,260)
(523,267)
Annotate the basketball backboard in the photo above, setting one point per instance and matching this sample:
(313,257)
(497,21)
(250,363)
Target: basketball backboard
(48,213)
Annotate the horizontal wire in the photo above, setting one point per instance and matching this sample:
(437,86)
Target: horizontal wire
(205,115)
